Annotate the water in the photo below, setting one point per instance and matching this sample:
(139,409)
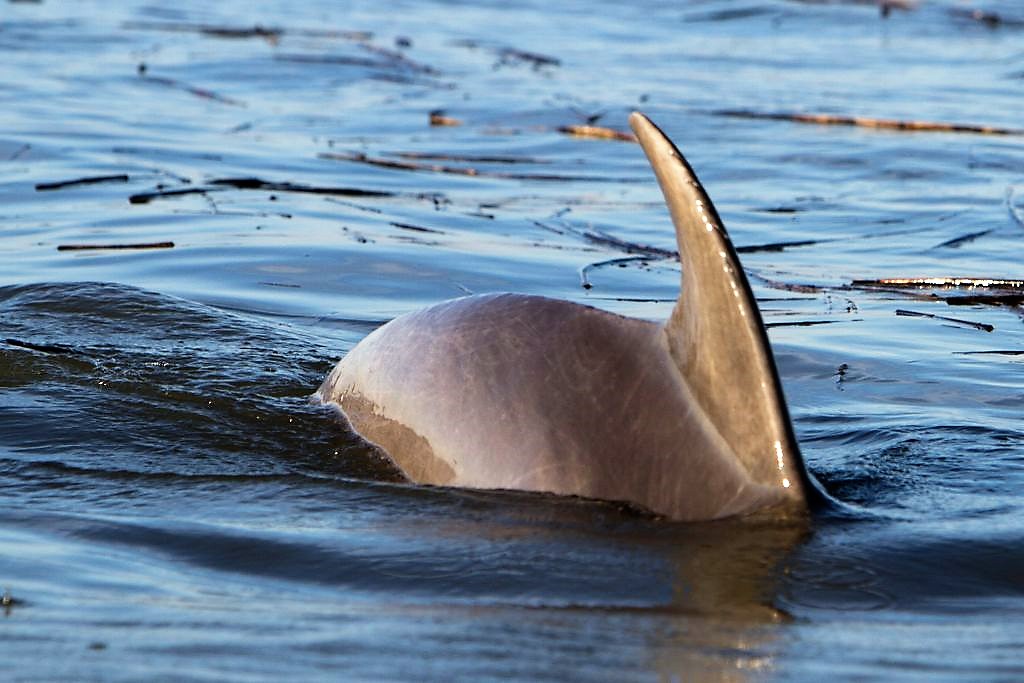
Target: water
(176,508)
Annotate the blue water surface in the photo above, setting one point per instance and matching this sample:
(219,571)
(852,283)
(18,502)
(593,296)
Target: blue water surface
(175,507)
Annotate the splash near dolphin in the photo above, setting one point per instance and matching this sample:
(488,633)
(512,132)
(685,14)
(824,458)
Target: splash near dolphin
(508,391)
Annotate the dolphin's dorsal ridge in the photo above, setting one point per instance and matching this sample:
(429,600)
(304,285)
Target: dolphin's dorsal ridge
(715,333)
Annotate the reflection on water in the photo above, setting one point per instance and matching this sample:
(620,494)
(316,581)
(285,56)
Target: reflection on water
(176,507)
(729,575)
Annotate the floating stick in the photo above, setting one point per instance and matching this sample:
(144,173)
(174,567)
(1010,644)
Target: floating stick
(985,327)
(142,245)
(869,122)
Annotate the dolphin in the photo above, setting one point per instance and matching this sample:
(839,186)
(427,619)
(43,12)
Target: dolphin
(685,418)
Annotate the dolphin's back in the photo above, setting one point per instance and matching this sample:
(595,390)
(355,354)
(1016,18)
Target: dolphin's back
(522,392)
(687,418)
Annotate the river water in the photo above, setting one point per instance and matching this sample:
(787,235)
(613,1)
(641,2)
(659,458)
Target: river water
(175,507)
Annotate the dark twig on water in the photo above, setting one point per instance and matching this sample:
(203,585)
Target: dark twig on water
(140,245)
(43,348)
(19,152)
(259,184)
(985,327)
(221,184)
(787,286)
(469,158)
(986,300)
(344,60)
(989,19)
(360,158)
(416,228)
(213,31)
(632,299)
(958,242)
(146,197)
(359,207)
(776,246)
(257,31)
(596,236)
(198,92)
(397,58)
(603,238)
(585,281)
(89,180)
(510,55)
(386,67)
(810,323)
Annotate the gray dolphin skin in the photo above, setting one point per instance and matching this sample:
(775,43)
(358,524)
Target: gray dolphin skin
(507,391)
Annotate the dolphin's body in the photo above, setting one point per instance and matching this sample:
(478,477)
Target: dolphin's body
(508,391)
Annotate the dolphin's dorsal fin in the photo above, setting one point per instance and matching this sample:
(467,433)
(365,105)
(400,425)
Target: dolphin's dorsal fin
(715,333)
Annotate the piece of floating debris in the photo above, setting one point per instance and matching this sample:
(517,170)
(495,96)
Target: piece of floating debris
(42,348)
(803,288)
(968,323)
(868,122)
(257,31)
(511,55)
(1007,352)
(439,118)
(585,281)
(958,242)
(777,246)
(986,300)
(19,152)
(219,184)
(925,282)
(343,60)
(146,197)
(88,180)
(398,58)
(597,236)
(214,31)
(140,245)
(280,284)
(990,19)
(469,158)
(416,228)
(811,323)
(178,85)
(259,184)
(597,133)
(361,158)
